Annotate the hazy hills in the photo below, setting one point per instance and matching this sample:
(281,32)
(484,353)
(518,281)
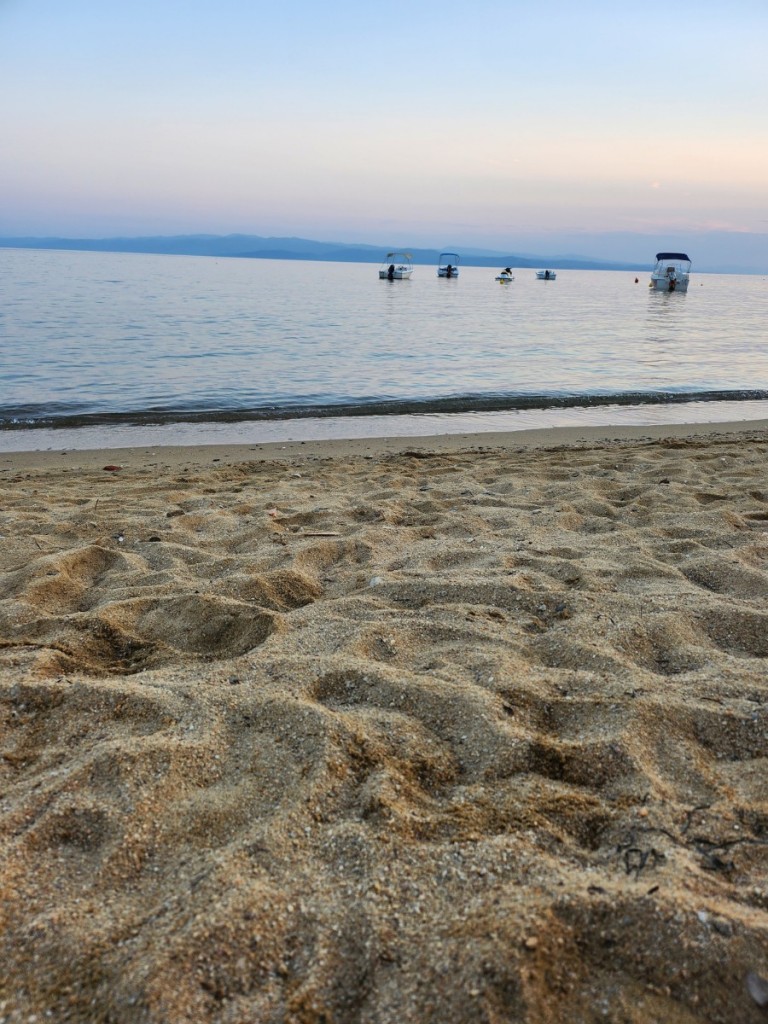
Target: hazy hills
(725,252)
(257,247)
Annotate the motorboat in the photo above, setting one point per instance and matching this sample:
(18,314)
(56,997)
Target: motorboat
(506,276)
(448,264)
(671,273)
(546,275)
(398,266)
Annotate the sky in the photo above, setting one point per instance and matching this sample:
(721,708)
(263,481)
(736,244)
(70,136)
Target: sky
(518,126)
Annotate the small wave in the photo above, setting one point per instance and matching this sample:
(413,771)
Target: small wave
(31,419)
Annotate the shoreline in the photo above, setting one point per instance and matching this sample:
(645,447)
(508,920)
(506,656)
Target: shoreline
(413,426)
(282,450)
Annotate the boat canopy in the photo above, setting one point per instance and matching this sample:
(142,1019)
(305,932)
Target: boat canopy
(672,256)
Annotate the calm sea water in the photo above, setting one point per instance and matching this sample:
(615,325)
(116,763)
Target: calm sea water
(92,339)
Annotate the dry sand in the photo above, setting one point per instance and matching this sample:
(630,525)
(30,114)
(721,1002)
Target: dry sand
(443,731)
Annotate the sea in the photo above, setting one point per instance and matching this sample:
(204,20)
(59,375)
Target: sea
(118,350)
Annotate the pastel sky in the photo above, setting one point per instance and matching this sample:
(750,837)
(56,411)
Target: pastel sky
(429,122)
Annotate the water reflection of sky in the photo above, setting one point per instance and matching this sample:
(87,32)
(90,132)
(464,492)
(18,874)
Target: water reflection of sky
(86,332)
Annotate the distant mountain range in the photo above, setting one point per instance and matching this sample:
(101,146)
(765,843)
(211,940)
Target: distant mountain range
(256,247)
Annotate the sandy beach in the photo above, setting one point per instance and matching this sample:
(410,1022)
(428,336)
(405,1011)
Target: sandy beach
(441,730)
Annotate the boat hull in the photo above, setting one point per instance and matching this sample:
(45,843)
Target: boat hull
(398,274)
(662,283)
(443,272)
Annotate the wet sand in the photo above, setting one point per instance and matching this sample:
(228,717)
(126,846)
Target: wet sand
(437,730)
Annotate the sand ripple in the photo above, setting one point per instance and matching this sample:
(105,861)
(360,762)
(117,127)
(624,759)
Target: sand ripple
(463,737)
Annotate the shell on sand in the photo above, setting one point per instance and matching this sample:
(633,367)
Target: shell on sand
(469,734)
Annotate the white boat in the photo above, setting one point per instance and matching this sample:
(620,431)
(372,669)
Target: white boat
(398,266)
(506,276)
(448,264)
(546,275)
(671,273)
